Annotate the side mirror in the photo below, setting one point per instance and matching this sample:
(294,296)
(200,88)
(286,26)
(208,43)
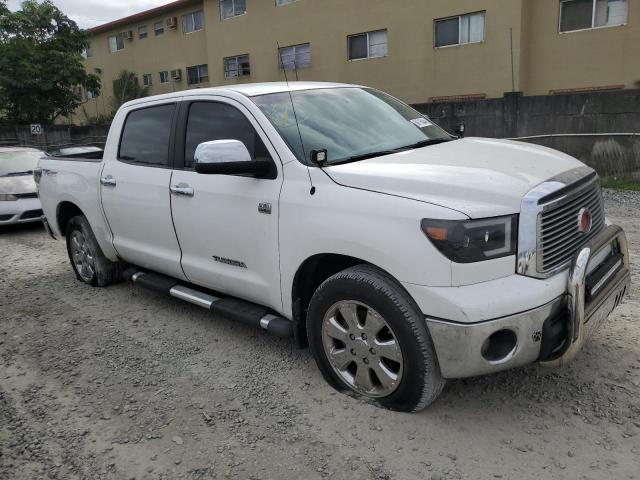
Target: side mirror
(227,157)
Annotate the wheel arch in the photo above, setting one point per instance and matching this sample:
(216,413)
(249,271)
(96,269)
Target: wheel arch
(310,274)
(65,211)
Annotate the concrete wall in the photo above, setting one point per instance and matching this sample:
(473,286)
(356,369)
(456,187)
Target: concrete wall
(516,115)
(55,136)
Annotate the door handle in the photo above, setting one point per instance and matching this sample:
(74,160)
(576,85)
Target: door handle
(108,181)
(182,189)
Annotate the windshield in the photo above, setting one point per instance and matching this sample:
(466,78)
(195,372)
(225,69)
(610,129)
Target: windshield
(350,123)
(16,162)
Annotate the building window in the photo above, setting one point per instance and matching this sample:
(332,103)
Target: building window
(147,79)
(197,74)
(280,3)
(237,66)
(87,52)
(142,32)
(89,95)
(116,42)
(232,8)
(459,30)
(193,22)
(295,57)
(164,76)
(368,45)
(587,14)
(158,28)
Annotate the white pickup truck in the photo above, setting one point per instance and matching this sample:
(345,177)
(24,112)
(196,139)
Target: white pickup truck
(340,216)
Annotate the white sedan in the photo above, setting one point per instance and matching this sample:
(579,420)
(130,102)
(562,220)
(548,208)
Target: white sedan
(19,202)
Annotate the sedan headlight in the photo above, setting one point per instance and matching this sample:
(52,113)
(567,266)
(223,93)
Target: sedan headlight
(7,197)
(467,241)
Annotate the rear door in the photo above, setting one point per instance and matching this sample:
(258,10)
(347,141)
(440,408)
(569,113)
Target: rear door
(228,228)
(135,190)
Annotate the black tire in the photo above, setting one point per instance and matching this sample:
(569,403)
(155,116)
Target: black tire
(421,380)
(105,272)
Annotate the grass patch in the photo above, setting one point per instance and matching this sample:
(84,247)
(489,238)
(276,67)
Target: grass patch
(619,184)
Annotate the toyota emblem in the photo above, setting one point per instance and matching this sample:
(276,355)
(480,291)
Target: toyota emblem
(585,221)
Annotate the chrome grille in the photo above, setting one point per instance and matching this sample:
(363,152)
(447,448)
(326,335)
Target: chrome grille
(559,235)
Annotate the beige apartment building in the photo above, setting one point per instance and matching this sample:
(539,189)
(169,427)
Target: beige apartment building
(418,50)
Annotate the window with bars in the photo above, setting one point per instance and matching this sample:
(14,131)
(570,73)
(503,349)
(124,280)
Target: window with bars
(147,79)
(237,66)
(588,14)
(460,30)
(197,74)
(164,76)
(193,22)
(295,57)
(232,8)
(368,45)
(142,32)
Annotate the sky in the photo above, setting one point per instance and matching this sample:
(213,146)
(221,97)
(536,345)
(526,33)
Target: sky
(90,13)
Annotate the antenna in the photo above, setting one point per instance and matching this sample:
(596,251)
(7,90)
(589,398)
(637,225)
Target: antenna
(295,116)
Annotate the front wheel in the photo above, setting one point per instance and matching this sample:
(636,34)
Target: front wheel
(85,254)
(369,338)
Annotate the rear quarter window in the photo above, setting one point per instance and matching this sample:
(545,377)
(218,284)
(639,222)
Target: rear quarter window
(146,136)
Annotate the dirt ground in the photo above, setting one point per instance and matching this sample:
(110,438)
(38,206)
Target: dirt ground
(121,383)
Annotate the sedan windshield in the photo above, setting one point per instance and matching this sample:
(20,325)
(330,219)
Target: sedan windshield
(351,123)
(14,163)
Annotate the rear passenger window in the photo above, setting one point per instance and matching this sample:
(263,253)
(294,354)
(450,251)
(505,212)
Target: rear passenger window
(146,135)
(218,121)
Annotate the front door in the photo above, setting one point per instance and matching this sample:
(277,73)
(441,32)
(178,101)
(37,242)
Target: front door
(227,225)
(135,191)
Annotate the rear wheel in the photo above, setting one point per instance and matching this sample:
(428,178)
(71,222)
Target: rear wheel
(369,339)
(85,254)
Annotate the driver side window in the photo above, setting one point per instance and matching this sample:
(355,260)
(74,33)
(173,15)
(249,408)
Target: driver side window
(208,121)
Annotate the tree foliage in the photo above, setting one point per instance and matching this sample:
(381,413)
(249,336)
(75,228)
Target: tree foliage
(41,65)
(126,87)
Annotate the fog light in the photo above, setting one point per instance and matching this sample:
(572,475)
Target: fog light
(499,346)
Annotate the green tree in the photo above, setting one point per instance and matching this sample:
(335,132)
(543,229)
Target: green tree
(126,87)
(41,65)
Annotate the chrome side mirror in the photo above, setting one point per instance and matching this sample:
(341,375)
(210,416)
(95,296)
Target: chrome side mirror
(228,157)
(221,151)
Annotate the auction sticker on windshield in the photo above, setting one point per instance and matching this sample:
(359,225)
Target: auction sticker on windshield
(421,122)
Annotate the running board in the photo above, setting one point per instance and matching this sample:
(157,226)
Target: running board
(229,307)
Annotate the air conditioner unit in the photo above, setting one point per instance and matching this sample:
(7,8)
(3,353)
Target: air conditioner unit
(172,23)
(176,75)
(128,34)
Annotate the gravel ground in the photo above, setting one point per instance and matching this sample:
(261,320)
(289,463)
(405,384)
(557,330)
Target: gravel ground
(121,383)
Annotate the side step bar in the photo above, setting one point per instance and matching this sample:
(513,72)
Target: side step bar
(229,307)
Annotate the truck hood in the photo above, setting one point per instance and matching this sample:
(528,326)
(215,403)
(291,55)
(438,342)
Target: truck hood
(18,185)
(480,177)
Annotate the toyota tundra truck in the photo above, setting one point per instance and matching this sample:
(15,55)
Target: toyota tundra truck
(340,216)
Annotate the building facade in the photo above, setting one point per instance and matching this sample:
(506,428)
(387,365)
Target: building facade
(418,50)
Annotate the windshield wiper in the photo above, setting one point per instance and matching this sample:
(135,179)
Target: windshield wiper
(423,143)
(18,174)
(365,156)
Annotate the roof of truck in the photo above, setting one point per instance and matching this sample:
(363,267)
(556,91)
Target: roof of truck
(247,89)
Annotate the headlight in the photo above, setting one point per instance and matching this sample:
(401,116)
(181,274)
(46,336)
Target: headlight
(467,241)
(7,197)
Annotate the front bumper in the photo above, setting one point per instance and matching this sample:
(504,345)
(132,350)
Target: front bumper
(23,210)
(556,330)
